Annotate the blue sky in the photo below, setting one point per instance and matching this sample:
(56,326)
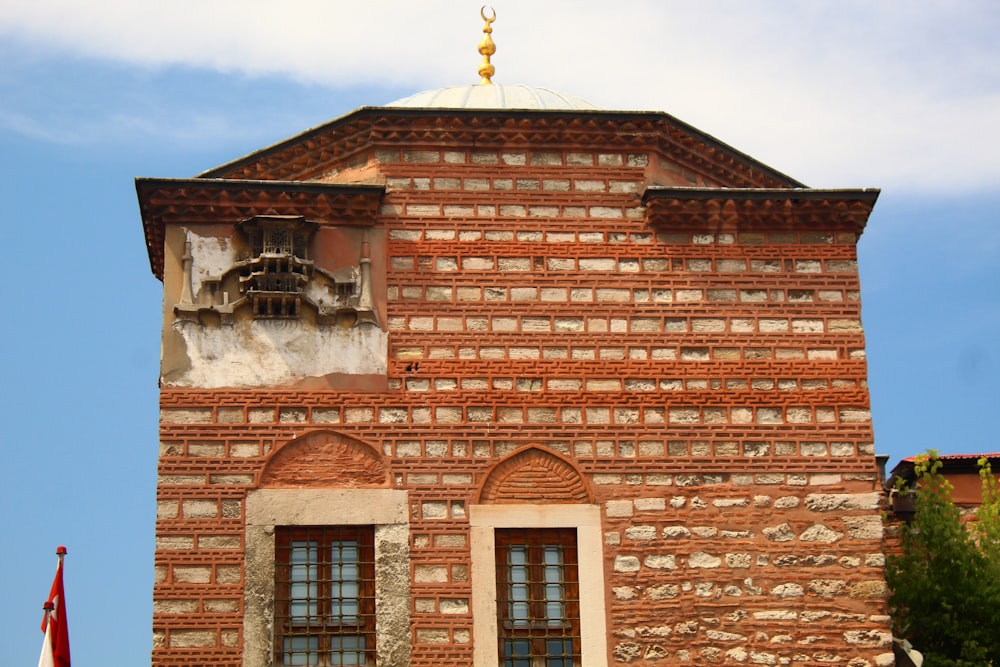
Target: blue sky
(904,96)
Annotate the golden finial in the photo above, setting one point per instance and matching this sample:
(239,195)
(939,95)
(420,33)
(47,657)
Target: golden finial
(487,47)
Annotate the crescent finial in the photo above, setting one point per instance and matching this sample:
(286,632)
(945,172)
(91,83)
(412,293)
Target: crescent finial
(486,46)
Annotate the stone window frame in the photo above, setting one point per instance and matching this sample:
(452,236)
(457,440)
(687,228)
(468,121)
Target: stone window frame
(385,509)
(586,519)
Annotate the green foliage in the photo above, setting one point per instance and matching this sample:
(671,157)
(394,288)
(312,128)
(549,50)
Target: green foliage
(987,528)
(946,583)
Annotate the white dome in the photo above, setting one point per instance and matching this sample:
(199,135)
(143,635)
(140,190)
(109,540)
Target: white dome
(492,96)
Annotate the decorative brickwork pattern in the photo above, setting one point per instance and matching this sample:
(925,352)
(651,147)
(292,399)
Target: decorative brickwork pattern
(324,460)
(534,476)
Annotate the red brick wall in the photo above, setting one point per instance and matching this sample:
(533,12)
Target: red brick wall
(705,375)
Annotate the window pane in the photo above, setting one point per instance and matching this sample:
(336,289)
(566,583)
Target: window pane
(555,591)
(345,582)
(518,588)
(517,653)
(303,581)
(347,650)
(560,653)
(301,651)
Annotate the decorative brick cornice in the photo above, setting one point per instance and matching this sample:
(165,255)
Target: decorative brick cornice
(164,202)
(744,210)
(339,142)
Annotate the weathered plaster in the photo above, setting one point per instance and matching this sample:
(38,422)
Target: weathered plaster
(212,256)
(262,353)
(215,343)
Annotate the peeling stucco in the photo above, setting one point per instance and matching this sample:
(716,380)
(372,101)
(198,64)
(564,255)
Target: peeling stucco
(273,353)
(212,257)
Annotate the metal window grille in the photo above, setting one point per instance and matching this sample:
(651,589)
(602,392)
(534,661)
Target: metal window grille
(538,597)
(324,596)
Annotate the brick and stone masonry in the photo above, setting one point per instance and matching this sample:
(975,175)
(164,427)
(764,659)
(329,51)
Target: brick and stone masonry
(602,308)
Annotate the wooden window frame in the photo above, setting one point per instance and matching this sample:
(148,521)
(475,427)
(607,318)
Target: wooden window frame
(539,627)
(323,626)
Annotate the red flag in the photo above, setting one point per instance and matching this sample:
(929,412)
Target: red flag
(55,649)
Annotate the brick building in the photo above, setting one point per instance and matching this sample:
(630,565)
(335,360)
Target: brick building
(490,372)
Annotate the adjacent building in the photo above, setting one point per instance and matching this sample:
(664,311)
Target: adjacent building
(962,472)
(490,376)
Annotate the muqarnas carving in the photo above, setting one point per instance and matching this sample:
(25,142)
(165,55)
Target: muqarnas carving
(275,278)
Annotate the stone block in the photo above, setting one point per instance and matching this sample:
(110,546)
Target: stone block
(833,502)
(782,533)
(739,561)
(700,559)
(175,543)
(864,527)
(513,210)
(626,564)
(187,574)
(192,639)
(186,416)
(421,157)
(605,212)
(821,534)
(429,574)
(200,509)
(868,590)
(640,533)
(788,590)
(230,415)
(663,592)
(619,508)
(219,542)
(650,504)
(868,638)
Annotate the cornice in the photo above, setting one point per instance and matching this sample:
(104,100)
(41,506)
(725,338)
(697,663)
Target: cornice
(164,202)
(753,209)
(316,151)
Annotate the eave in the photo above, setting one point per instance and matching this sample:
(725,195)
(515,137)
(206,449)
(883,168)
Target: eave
(165,201)
(759,209)
(905,471)
(304,156)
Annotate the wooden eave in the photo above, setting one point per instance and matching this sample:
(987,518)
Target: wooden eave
(759,209)
(164,201)
(905,471)
(314,152)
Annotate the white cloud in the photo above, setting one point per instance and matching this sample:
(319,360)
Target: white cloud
(835,93)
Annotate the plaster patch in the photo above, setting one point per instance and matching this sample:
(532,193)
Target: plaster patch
(276,352)
(211,257)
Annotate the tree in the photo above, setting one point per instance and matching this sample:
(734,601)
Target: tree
(945,584)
